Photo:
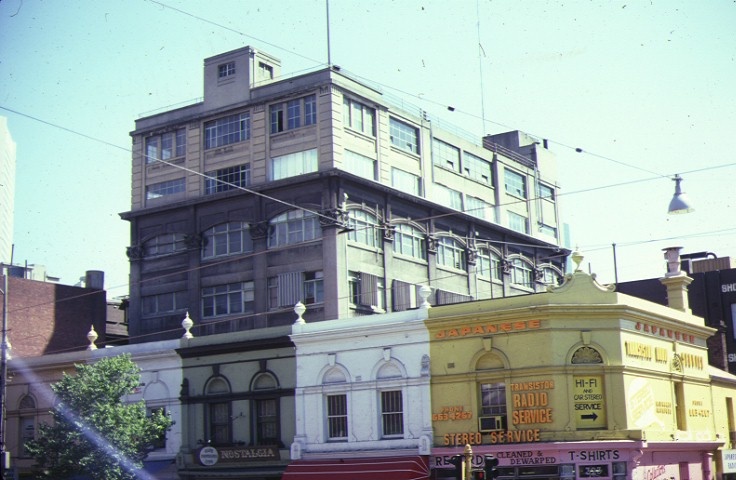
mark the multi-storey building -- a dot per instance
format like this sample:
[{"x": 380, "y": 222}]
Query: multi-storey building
[
  {"x": 319, "y": 188},
  {"x": 7, "y": 190}
]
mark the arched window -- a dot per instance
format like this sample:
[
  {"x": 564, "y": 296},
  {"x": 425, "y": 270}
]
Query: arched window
[
  {"x": 266, "y": 410},
  {"x": 586, "y": 355},
  {"x": 492, "y": 393},
  {"x": 164, "y": 244},
  {"x": 227, "y": 239},
  {"x": 409, "y": 240},
  {"x": 27, "y": 421},
  {"x": 488, "y": 265},
  {"x": 450, "y": 253},
  {"x": 219, "y": 418},
  {"x": 550, "y": 276},
  {"x": 294, "y": 226},
  {"x": 364, "y": 227},
  {"x": 522, "y": 273}
]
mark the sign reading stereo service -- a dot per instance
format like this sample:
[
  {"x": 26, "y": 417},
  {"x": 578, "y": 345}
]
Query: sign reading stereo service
[
  {"x": 589, "y": 402},
  {"x": 209, "y": 456}
]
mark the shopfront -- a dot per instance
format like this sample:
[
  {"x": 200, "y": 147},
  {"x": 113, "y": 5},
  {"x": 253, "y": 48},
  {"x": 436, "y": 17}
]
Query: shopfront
[{"x": 615, "y": 460}]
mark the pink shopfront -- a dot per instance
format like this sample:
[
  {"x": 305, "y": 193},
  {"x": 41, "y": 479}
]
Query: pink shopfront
[{"x": 611, "y": 460}]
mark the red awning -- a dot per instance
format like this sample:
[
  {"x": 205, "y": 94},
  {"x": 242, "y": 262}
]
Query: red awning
[{"x": 375, "y": 468}]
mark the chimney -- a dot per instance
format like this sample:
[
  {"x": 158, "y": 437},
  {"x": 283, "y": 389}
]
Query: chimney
[{"x": 676, "y": 281}]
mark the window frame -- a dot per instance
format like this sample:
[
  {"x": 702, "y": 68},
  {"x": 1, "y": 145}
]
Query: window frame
[
  {"x": 360, "y": 165},
  {"x": 493, "y": 262},
  {"x": 410, "y": 241},
  {"x": 227, "y": 130},
  {"x": 293, "y": 114},
  {"x": 518, "y": 223},
  {"x": 478, "y": 169},
  {"x": 404, "y": 136},
  {"x": 355, "y": 114},
  {"x": 451, "y": 253},
  {"x": 158, "y": 302},
  {"x": 365, "y": 228},
  {"x": 227, "y": 178},
  {"x": 225, "y": 70},
  {"x": 154, "y": 150},
  {"x": 293, "y": 164},
  {"x": 283, "y": 227},
  {"x": 165, "y": 244},
  {"x": 492, "y": 401},
  {"x": 521, "y": 268},
  {"x": 440, "y": 157},
  {"x": 239, "y": 298},
  {"x": 166, "y": 188},
  {"x": 515, "y": 183},
  {"x": 262, "y": 421},
  {"x": 337, "y": 421},
  {"x": 406, "y": 181},
  {"x": 390, "y": 417},
  {"x": 229, "y": 231}
]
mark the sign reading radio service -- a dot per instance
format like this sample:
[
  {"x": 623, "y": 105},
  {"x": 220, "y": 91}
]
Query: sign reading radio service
[
  {"x": 209, "y": 456},
  {"x": 588, "y": 402}
]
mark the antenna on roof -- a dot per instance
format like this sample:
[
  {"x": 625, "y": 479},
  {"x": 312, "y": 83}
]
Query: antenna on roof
[
  {"x": 329, "y": 57},
  {"x": 481, "y": 54}
]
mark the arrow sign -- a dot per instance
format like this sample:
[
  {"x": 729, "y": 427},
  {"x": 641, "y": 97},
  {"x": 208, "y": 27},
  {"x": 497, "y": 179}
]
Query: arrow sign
[{"x": 591, "y": 416}]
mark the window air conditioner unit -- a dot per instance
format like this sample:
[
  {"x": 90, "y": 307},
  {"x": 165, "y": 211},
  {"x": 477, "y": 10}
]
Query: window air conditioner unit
[{"x": 492, "y": 423}]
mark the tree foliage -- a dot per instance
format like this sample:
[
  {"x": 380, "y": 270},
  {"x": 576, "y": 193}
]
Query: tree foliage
[{"x": 94, "y": 433}]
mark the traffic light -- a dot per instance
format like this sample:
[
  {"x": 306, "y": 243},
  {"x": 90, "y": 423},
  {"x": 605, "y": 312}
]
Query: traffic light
[
  {"x": 491, "y": 467},
  {"x": 458, "y": 461}
]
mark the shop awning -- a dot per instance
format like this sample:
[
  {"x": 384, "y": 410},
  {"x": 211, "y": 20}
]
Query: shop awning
[{"x": 369, "y": 468}]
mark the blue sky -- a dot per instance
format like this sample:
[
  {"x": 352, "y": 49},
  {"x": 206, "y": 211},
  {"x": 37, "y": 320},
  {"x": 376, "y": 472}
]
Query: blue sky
[{"x": 644, "y": 88}]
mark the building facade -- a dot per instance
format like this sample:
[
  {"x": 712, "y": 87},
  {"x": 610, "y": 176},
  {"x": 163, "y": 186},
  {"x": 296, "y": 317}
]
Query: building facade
[
  {"x": 579, "y": 382},
  {"x": 362, "y": 397},
  {"x": 712, "y": 295},
  {"x": 237, "y": 397},
  {"x": 318, "y": 188},
  {"x": 29, "y": 399}
]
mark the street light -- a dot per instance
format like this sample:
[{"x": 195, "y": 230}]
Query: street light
[{"x": 679, "y": 203}]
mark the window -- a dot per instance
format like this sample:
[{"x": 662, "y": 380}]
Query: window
[
  {"x": 226, "y": 70},
  {"x": 164, "y": 244},
  {"x": 294, "y": 164},
  {"x": 488, "y": 265},
  {"x": 166, "y": 146},
  {"x": 228, "y": 299},
  {"x": 163, "y": 303},
  {"x": 521, "y": 273},
  {"x": 227, "y": 239},
  {"x": 515, "y": 183},
  {"x": 286, "y": 289},
  {"x": 445, "y": 155},
  {"x": 450, "y": 253},
  {"x": 313, "y": 288},
  {"x": 226, "y": 179},
  {"x": 27, "y": 422},
  {"x": 447, "y": 196},
  {"x": 548, "y": 230},
  {"x": 478, "y": 208},
  {"x": 477, "y": 169},
  {"x": 359, "y": 117},
  {"x": 266, "y": 70},
  {"x": 292, "y": 227},
  {"x": 550, "y": 276},
  {"x": 493, "y": 405},
  {"x": 218, "y": 420},
  {"x": 337, "y": 417},
  {"x": 367, "y": 290},
  {"x": 409, "y": 240},
  {"x": 364, "y": 227},
  {"x": 546, "y": 192},
  {"x": 293, "y": 114},
  {"x": 267, "y": 422},
  {"x": 163, "y": 189},
  {"x": 406, "y": 182},
  {"x": 392, "y": 414},
  {"x": 160, "y": 441},
  {"x": 360, "y": 165},
  {"x": 227, "y": 130},
  {"x": 219, "y": 416},
  {"x": 404, "y": 136},
  {"x": 518, "y": 223}
]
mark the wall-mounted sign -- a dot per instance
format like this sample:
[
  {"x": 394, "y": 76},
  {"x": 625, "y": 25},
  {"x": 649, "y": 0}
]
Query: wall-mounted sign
[
  {"x": 452, "y": 413},
  {"x": 588, "y": 402},
  {"x": 209, "y": 456},
  {"x": 729, "y": 461},
  {"x": 665, "y": 332},
  {"x": 489, "y": 328}
]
